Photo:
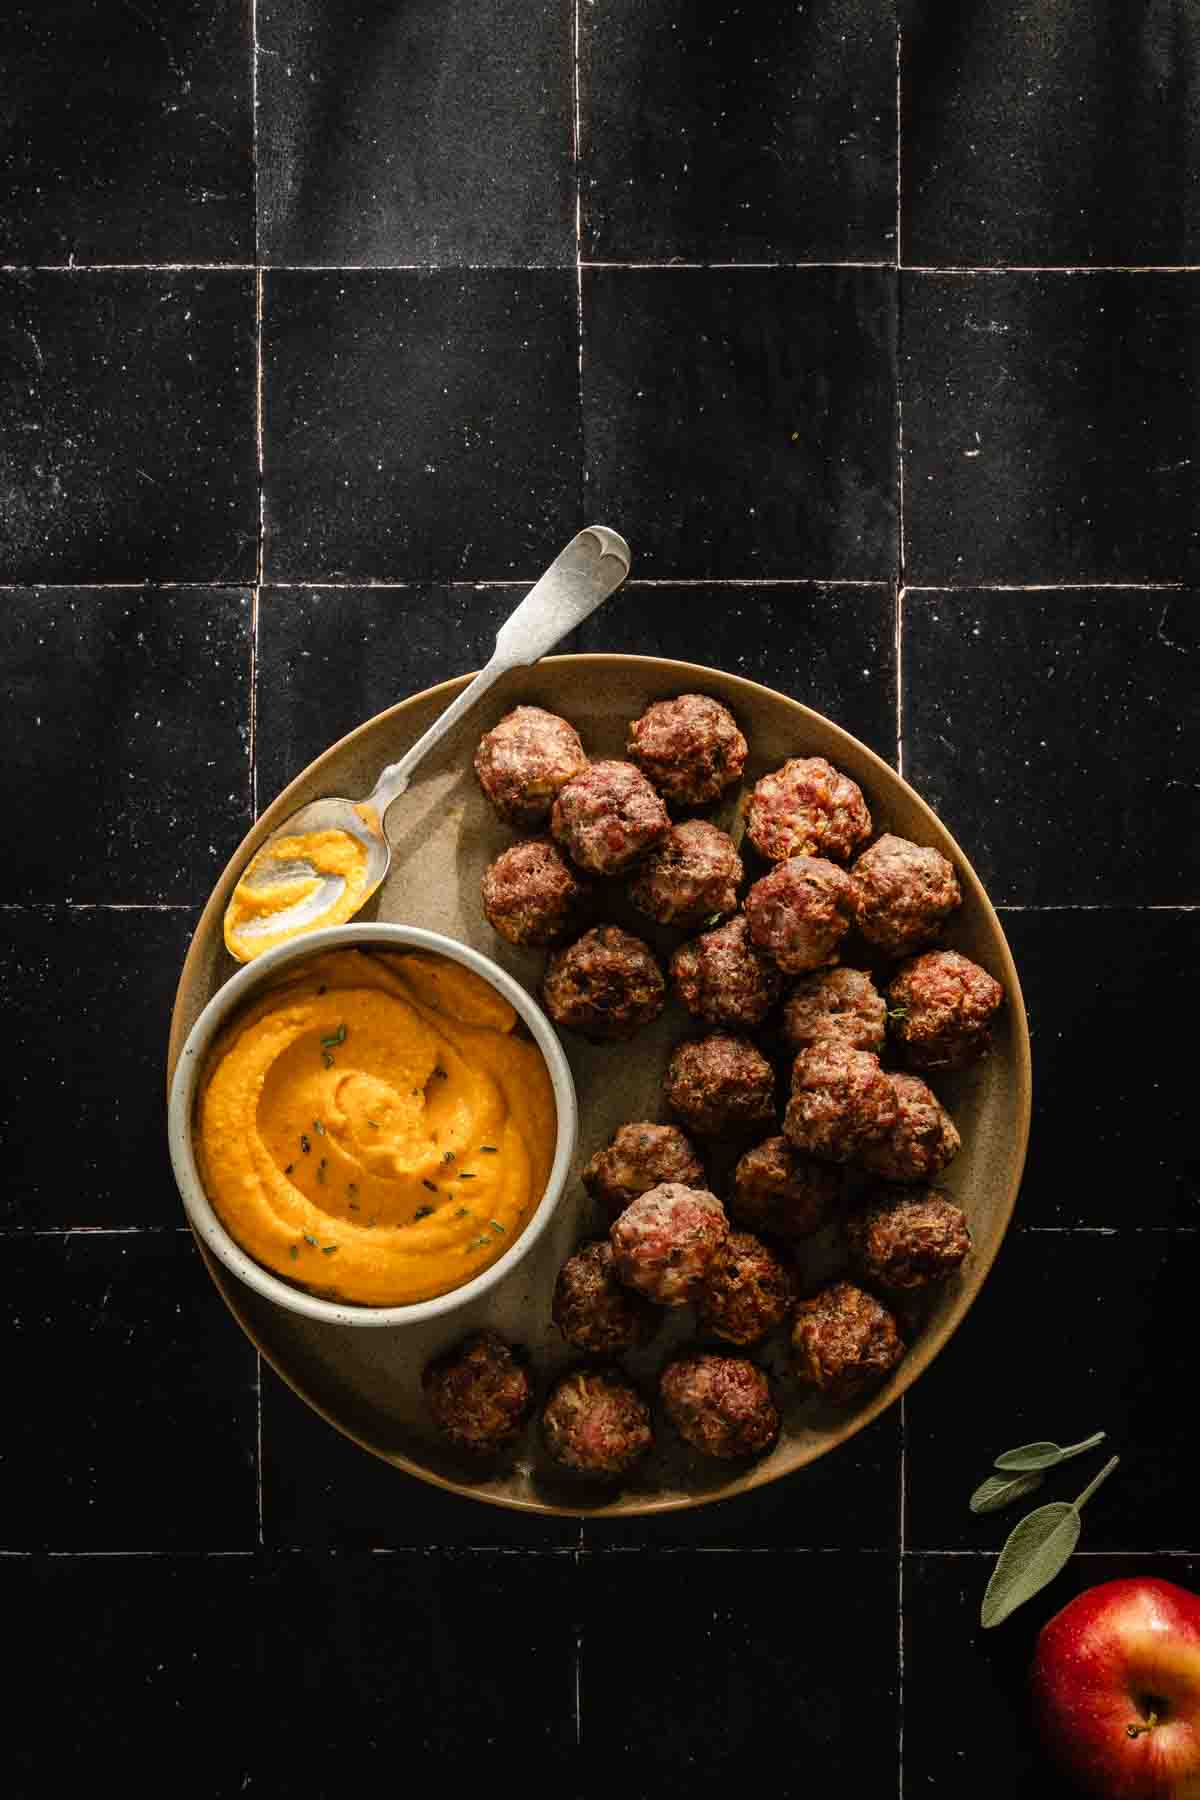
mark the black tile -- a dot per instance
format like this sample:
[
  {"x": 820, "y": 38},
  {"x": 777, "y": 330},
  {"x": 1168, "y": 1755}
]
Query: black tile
[
  {"x": 742, "y": 423},
  {"x": 1111, "y": 997},
  {"x": 420, "y": 424},
  {"x": 707, "y": 140},
  {"x": 1060, "y": 135},
  {"x": 86, "y": 997},
  {"x": 128, "y": 132},
  {"x": 1050, "y": 427},
  {"x": 1057, "y": 734},
  {"x": 133, "y": 1423},
  {"x": 422, "y": 133},
  {"x": 1074, "y": 1332},
  {"x": 968, "y": 1726},
  {"x": 128, "y": 717},
  {"x": 130, "y": 427},
  {"x": 702, "y": 1667}
]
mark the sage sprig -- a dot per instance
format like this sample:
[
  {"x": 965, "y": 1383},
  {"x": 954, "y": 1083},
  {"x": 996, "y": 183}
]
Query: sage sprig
[
  {"x": 1001, "y": 1490},
  {"x": 1035, "y": 1551},
  {"x": 1030, "y": 1457}
]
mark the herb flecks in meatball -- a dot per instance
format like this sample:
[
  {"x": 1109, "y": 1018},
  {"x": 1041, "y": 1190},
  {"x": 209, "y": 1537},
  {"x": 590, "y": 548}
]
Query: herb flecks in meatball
[
  {"x": 921, "y": 1140},
  {"x": 841, "y": 1103},
  {"x": 835, "y": 1005},
  {"x": 641, "y": 1156},
  {"x": 778, "y": 1191},
  {"x": 479, "y": 1393},
  {"x": 596, "y": 1422},
  {"x": 605, "y": 986},
  {"x": 800, "y": 912},
  {"x": 749, "y": 1290},
  {"x": 690, "y": 878},
  {"x": 608, "y": 818},
  {"x": 720, "y": 1405},
  {"x": 807, "y": 808},
  {"x": 723, "y": 979},
  {"x": 905, "y": 893},
  {"x": 690, "y": 748},
  {"x": 906, "y": 1240},
  {"x": 596, "y": 1312},
  {"x": 523, "y": 762},
  {"x": 844, "y": 1341},
  {"x": 664, "y": 1243},
  {"x": 941, "y": 1006},
  {"x": 532, "y": 895},
  {"x": 720, "y": 1083}
]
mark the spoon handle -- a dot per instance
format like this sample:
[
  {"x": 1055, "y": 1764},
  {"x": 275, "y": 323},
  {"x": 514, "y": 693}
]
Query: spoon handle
[{"x": 583, "y": 575}]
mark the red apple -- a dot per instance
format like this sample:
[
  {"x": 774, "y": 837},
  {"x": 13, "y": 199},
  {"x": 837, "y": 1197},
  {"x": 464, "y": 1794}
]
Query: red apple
[{"x": 1116, "y": 1684}]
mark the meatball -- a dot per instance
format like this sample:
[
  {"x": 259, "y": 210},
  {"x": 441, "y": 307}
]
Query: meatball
[
  {"x": 835, "y": 1006},
  {"x": 807, "y": 808},
  {"x": 782, "y": 1193},
  {"x": 907, "y": 1240},
  {"x": 721, "y": 978},
  {"x": 480, "y": 1393},
  {"x": 596, "y": 1422},
  {"x": 749, "y": 1290},
  {"x": 608, "y": 817},
  {"x": 665, "y": 1242},
  {"x": 800, "y": 912},
  {"x": 941, "y": 1006},
  {"x": 690, "y": 748},
  {"x": 721, "y": 1405},
  {"x": 593, "y": 1310},
  {"x": 640, "y": 1157},
  {"x": 920, "y": 1141},
  {"x": 531, "y": 894},
  {"x": 524, "y": 760},
  {"x": 844, "y": 1340},
  {"x": 842, "y": 1102},
  {"x": 905, "y": 894},
  {"x": 605, "y": 986},
  {"x": 691, "y": 878},
  {"x": 719, "y": 1083}
]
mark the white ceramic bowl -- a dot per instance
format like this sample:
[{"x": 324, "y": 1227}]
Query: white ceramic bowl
[{"x": 237, "y": 992}]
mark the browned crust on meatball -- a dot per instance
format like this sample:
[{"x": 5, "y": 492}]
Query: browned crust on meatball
[
  {"x": 523, "y": 762},
  {"x": 941, "y": 1007},
  {"x": 531, "y": 894},
  {"x": 921, "y": 1140},
  {"x": 807, "y": 808},
  {"x": 800, "y": 912},
  {"x": 608, "y": 818},
  {"x": 721, "y": 978},
  {"x": 843, "y": 1341},
  {"x": 749, "y": 1290},
  {"x": 595, "y": 1422},
  {"x": 842, "y": 1005},
  {"x": 641, "y": 1156},
  {"x": 690, "y": 878},
  {"x": 905, "y": 894},
  {"x": 479, "y": 1393},
  {"x": 720, "y": 1083},
  {"x": 665, "y": 1242},
  {"x": 780, "y": 1192},
  {"x": 594, "y": 1311},
  {"x": 720, "y": 1405},
  {"x": 689, "y": 747},
  {"x": 907, "y": 1240},
  {"x": 841, "y": 1102},
  {"x": 606, "y": 985}
]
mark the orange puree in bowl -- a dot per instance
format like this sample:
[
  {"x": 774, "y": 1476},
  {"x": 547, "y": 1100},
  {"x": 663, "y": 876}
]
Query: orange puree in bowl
[
  {"x": 279, "y": 878},
  {"x": 372, "y": 1128}
]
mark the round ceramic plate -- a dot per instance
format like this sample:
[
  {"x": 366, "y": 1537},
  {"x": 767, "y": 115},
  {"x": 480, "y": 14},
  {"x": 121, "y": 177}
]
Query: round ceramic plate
[{"x": 443, "y": 834}]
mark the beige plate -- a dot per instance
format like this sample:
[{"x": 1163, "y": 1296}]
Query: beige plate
[{"x": 443, "y": 834}]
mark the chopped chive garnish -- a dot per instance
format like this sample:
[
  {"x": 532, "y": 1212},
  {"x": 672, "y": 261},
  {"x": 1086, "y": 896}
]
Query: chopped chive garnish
[
  {"x": 289, "y": 1168},
  {"x": 327, "y": 1059},
  {"x": 496, "y": 1225},
  {"x": 465, "y": 1175},
  {"x": 488, "y": 1149},
  {"x": 422, "y": 1212},
  {"x": 374, "y": 1124},
  {"x": 308, "y": 1239},
  {"x": 464, "y": 1212},
  {"x": 293, "y": 1251},
  {"x": 354, "y": 1207},
  {"x": 334, "y": 1039},
  {"x": 304, "y": 1144},
  {"x": 447, "y": 1156},
  {"x": 318, "y": 1128},
  {"x": 328, "y": 1249}
]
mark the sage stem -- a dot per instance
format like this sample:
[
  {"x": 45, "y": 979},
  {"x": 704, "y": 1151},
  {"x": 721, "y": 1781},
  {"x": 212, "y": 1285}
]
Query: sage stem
[{"x": 1094, "y": 1483}]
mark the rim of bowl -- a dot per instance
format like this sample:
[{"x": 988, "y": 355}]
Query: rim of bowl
[{"x": 236, "y": 992}]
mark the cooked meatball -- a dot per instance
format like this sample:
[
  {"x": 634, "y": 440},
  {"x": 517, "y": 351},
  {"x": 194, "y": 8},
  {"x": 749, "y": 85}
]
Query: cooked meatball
[
  {"x": 531, "y": 894},
  {"x": 907, "y": 1240},
  {"x": 594, "y": 1311},
  {"x": 841, "y": 1102},
  {"x": 721, "y": 1405},
  {"x": 800, "y": 912},
  {"x": 596, "y": 1422},
  {"x": 941, "y": 1006},
  {"x": 905, "y": 894},
  {"x": 479, "y": 1393},
  {"x": 749, "y": 1290},
  {"x": 835, "y": 1006},
  {"x": 844, "y": 1340},
  {"x": 640, "y": 1157},
  {"x": 720, "y": 977},
  {"x": 807, "y": 808},
  {"x": 664, "y": 1243},
  {"x": 524, "y": 760},
  {"x": 719, "y": 1083},
  {"x": 690, "y": 748},
  {"x": 782, "y": 1193},
  {"x": 691, "y": 878},
  {"x": 605, "y": 986},
  {"x": 921, "y": 1139},
  {"x": 608, "y": 818}
]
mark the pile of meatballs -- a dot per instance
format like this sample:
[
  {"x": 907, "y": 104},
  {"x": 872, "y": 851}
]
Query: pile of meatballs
[{"x": 851, "y": 1144}]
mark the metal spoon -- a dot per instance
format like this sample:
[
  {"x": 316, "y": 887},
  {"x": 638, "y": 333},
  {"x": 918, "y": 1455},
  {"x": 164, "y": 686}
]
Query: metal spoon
[{"x": 579, "y": 579}]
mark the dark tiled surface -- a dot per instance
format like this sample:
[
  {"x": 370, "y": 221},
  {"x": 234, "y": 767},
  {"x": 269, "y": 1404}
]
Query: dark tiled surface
[
  {"x": 128, "y": 715},
  {"x": 708, "y": 141},
  {"x": 127, "y": 132},
  {"x": 1057, "y": 734},
  {"x": 129, "y": 427},
  {"x": 423, "y": 133},
  {"x": 743, "y": 423},
  {"x": 1050, "y": 427}
]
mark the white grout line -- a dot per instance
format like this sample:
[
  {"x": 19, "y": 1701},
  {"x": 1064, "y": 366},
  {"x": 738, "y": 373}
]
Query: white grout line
[
  {"x": 258, "y": 1442},
  {"x": 150, "y": 586},
  {"x": 577, "y": 159},
  {"x": 955, "y": 269},
  {"x": 950, "y": 270},
  {"x": 903, "y": 1529},
  {"x": 1047, "y": 587},
  {"x": 637, "y": 267},
  {"x": 101, "y": 906}
]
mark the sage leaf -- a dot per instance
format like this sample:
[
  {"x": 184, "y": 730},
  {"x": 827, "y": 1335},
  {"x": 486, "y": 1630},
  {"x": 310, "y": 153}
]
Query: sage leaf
[
  {"x": 1035, "y": 1552},
  {"x": 1001, "y": 1490},
  {"x": 1045, "y": 1456}
]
